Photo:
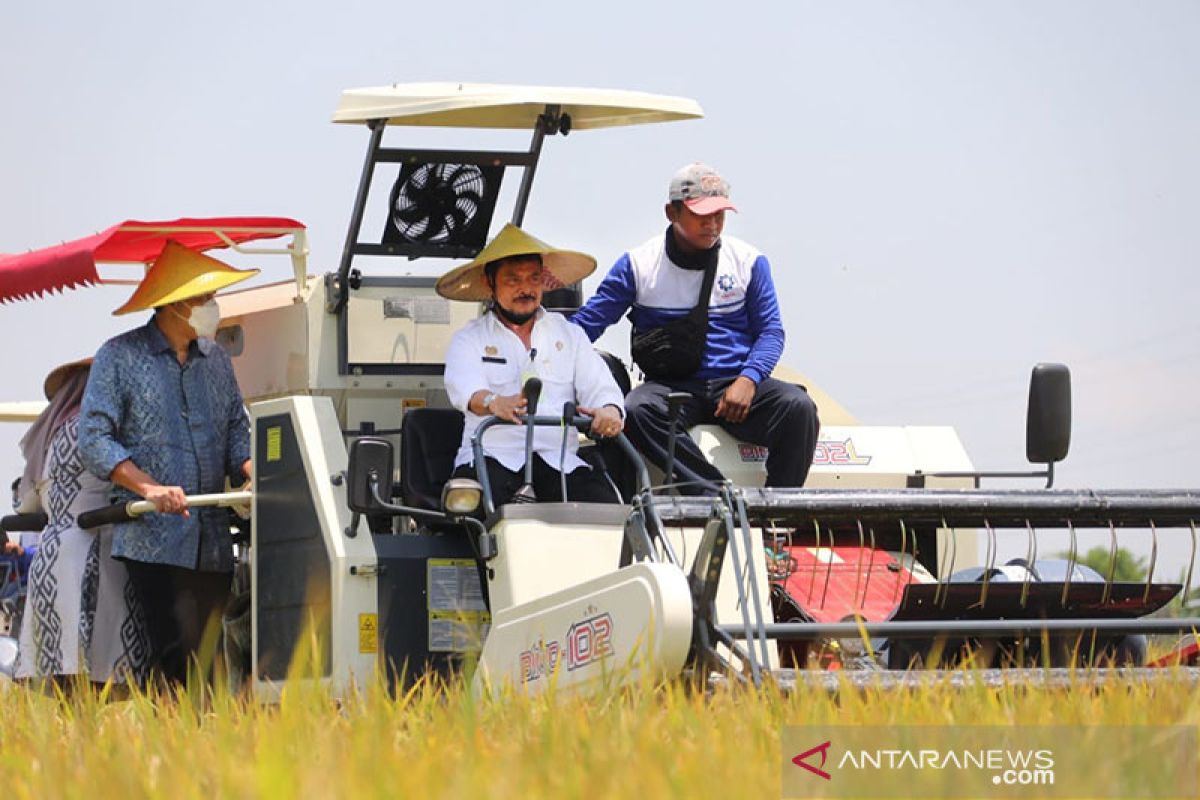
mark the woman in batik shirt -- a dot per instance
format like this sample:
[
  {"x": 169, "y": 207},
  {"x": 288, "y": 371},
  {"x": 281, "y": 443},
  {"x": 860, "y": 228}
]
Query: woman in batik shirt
[{"x": 81, "y": 613}]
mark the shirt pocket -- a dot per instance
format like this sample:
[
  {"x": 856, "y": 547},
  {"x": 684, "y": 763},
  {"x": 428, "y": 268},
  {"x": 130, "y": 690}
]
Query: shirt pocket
[
  {"x": 502, "y": 376},
  {"x": 558, "y": 369}
]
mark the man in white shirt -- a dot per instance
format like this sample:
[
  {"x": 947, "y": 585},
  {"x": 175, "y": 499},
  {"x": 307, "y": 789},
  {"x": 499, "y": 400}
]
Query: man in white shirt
[{"x": 491, "y": 358}]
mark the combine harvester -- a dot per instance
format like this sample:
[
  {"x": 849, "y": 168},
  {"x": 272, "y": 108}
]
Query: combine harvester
[{"x": 356, "y": 531}]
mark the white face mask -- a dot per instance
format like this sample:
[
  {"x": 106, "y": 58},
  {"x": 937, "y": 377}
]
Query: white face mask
[{"x": 204, "y": 319}]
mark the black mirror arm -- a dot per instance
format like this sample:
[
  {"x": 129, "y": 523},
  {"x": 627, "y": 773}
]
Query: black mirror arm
[
  {"x": 1048, "y": 474},
  {"x": 408, "y": 511}
]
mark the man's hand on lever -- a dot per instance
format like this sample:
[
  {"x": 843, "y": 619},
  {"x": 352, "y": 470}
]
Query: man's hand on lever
[
  {"x": 510, "y": 407},
  {"x": 166, "y": 499},
  {"x": 606, "y": 421}
]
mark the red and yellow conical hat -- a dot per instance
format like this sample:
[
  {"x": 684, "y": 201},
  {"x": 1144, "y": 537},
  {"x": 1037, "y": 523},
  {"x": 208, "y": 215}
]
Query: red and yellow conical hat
[{"x": 178, "y": 274}]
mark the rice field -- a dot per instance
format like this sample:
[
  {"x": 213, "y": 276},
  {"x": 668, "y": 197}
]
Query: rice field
[{"x": 645, "y": 742}]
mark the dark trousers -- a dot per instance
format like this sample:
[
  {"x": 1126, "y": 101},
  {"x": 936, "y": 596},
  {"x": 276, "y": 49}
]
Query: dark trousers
[
  {"x": 179, "y": 604},
  {"x": 782, "y": 418},
  {"x": 583, "y": 485}
]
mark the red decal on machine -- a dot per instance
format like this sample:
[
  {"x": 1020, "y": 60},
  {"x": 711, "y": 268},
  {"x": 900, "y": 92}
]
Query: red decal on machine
[
  {"x": 831, "y": 453},
  {"x": 752, "y": 452},
  {"x": 539, "y": 660},
  {"x": 589, "y": 641}
]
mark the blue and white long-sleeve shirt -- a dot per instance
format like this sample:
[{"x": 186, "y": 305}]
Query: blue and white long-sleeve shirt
[{"x": 745, "y": 331}]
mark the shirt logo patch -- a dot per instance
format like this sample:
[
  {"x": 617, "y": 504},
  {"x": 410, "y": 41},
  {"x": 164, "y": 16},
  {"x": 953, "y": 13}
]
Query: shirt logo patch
[
  {"x": 558, "y": 345},
  {"x": 490, "y": 350},
  {"x": 725, "y": 282}
]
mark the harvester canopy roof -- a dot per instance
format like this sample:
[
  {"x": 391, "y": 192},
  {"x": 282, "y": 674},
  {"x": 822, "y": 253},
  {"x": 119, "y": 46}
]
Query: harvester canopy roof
[
  {"x": 486, "y": 105},
  {"x": 73, "y": 264}
]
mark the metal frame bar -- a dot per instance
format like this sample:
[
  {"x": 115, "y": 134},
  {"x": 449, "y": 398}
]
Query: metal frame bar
[
  {"x": 547, "y": 123},
  {"x": 341, "y": 289},
  {"x": 1048, "y": 474},
  {"x": 298, "y": 248},
  {"x": 973, "y": 629},
  {"x": 482, "y": 158},
  {"x": 747, "y": 541},
  {"x": 954, "y": 508}
]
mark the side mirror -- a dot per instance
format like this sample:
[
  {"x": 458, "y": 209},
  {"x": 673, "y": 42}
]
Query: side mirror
[
  {"x": 1048, "y": 425},
  {"x": 370, "y": 461}
]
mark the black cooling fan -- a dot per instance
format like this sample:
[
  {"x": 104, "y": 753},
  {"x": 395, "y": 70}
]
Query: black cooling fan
[{"x": 440, "y": 209}]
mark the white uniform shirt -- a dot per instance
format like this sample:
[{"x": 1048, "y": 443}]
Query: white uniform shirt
[{"x": 486, "y": 355}]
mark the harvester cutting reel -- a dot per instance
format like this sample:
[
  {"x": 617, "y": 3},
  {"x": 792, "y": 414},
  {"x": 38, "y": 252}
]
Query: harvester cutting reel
[{"x": 875, "y": 578}]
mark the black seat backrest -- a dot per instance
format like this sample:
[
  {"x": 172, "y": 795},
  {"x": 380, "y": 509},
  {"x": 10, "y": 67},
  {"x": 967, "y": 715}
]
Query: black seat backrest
[
  {"x": 429, "y": 440},
  {"x": 617, "y": 368},
  {"x": 563, "y": 300}
]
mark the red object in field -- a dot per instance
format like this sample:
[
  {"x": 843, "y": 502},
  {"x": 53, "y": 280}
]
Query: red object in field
[
  {"x": 73, "y": 264},
  {"x": 833, "y": 584},
  {"x": 1185, "y": 655}
]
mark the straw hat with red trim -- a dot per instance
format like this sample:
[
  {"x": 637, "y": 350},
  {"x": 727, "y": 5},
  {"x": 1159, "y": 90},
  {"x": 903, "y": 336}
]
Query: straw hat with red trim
[
  {"x": 560, "y": 267},
  {"x": 59, "y": 375},
  {"x": 181, "y": 273}
]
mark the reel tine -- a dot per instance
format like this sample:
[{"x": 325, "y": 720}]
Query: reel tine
[
  {"x": 1030, "y": 557},
  {"x": 1153, "y": 560},
  {"x": 1187, "y": 586},
  {"x": 828, "y": 570},
  {"x": 812, "y": 581},
  {"x": 903, "y": 550},
  {"x": 1112, "y": 563},
  {"x": 1073, "y": 551},
  {"x": 858, "y": 573},
  {"x": 944, "y": 573},
  {"x": 867, "y": 582},
  {"x": 991, "y": 562},
  {"x": 913, "y": 570}
]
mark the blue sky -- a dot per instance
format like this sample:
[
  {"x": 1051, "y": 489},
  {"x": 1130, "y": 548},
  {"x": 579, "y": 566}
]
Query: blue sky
[{"x": 949, "y": 192}]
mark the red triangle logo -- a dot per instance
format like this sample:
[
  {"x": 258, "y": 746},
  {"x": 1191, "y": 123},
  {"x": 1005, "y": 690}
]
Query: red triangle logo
[{"x": 823, "y": 749}]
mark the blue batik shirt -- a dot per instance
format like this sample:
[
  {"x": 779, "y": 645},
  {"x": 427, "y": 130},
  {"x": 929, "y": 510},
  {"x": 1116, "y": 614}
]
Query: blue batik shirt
[{"x": 184, "y": 425}]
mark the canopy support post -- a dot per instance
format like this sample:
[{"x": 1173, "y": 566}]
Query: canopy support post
[
  {"x": 547, "y": 123},
  {"x": 337, "y": 304}
]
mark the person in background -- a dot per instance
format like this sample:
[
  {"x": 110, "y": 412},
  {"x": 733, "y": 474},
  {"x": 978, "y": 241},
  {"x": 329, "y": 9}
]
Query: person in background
[
  {"x": 163, "y": 418},
  {"x": 723, "y": 364},
  {"x": 81, "y": 616}
]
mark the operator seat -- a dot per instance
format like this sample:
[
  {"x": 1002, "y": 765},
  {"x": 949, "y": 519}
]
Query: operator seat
[
  {"x": 619, "y": 373},
  {"x": 429, "y": 440},
  {"x": 565, "y": 300}
]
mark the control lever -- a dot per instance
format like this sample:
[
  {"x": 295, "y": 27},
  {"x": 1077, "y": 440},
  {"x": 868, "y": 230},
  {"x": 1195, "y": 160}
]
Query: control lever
[
  {"x": 568, "y": 421},
  {"x": 532, "y": 392},
  {"x": 675, "y": 401}
]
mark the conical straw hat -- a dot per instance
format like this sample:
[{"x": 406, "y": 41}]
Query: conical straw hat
[
  {"x": 181, "y": 273},
  {"x": 58, "y": 376},
  {"x": 562, "y": 267}
]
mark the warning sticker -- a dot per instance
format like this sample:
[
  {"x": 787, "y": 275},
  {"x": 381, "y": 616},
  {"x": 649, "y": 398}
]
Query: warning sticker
[
  {"x": 274, "y": 443},
  {"x": 368, "y": 633},
  {"x": 412, "y": 402},
  {"x": 458, "y": 632},
  {"x": 458, "y": 617},
  {"x": 454, "y": 585}
]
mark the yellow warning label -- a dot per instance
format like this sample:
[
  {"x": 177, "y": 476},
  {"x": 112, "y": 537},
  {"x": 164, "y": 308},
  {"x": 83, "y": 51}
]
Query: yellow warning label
[
  {"x": 412, "y": 402},
  {"x": 368, "y": 633},
  {"x": 274, "y": 443}
]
